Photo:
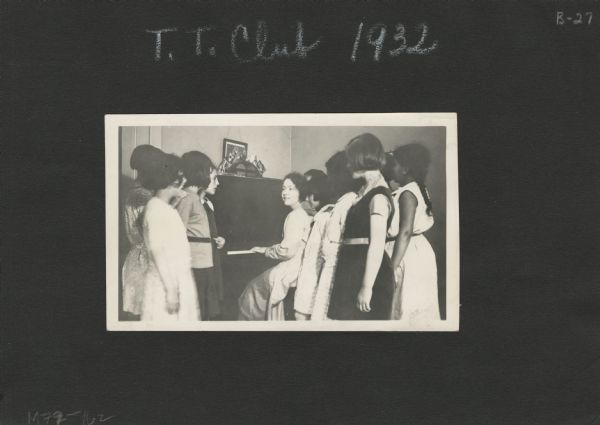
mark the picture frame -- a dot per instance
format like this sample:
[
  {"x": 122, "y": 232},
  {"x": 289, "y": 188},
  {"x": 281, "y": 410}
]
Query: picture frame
[{"x": 238, "y": 151}]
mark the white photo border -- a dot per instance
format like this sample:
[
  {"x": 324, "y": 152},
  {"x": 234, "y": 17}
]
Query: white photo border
[{"x": 448, "y": 120}]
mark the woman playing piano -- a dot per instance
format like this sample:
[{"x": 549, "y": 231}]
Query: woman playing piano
[{"x": 263, "y": 297}]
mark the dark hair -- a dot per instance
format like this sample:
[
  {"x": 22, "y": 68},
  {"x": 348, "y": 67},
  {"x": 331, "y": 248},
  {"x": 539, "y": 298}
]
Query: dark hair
[
  {"x": 339, "y": 176},
  {"x": 318, "y": 186},
  {"x": 314, "y": 173},
  {"x": 165, "y": 171},
  {"x": 144, "y": 159},
  {"x": 388, "y": 169},
  {"x": 196, "y": 168},
  {"x": 365, "y": 152},
  {"x": 300, "y": 182},
  {"x": 141, "y": 154},
  {"x": 415, "y": 157}
]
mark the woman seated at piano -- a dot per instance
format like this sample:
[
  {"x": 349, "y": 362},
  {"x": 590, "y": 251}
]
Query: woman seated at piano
[{"x": 263, "y": 297}]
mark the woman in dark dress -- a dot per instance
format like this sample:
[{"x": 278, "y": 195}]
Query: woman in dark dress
[{"x": 363, "y": 287}]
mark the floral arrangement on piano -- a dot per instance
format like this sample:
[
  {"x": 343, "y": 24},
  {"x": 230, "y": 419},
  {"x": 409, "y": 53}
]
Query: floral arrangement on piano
[{"x": 235, "y": 160}]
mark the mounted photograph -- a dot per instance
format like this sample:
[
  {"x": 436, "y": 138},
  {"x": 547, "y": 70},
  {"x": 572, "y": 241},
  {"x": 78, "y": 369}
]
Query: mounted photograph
[{"x": 282, "y": 222}]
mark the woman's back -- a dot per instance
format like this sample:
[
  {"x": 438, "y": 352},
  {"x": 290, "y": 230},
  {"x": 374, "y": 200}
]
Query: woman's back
[
  {"x": 170, "y": 268},
  {"x": 358, "y": 220}
]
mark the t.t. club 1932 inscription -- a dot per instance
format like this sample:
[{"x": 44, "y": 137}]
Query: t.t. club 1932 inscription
[{"x": 252, "y": 43}]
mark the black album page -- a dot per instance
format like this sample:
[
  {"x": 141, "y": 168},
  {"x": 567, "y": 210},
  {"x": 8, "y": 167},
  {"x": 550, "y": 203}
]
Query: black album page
[{"x": 299, "y": 212}]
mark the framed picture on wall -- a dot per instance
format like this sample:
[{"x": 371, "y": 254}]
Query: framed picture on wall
[{"x": 234, "y": 151}]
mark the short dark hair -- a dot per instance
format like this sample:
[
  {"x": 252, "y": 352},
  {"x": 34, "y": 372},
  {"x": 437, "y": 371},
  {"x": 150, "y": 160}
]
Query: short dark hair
[
  {"x": 141, "y": 155},
  {"x": 197, "y": 167},
  {"x": 300, "y": 182},
  {"x": 339, "y": 176},
  {"x": 314, "y": 173},
  {"x": 365, "y": 152},
  {"x": 318, "y": 186},
  {"x": 166, "y": 170},
  {"x": 416, "y": 158},
  {"x": 144, "y": 159}
]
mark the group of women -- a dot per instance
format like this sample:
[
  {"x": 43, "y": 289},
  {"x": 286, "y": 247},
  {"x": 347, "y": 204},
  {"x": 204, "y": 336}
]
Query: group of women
[
  {"x": 351, "y": 248},
  {"x": 172, "y": 271}
]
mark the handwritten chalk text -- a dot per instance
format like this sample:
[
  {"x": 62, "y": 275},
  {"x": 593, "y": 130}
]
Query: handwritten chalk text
[
  {"x": 59, "y": 417},
  {"x": 377, "y": 35},
  {"x": 256, "y": 42},
  {"x": 240, "y": 39},
  {"x": 577, "y": 18}
]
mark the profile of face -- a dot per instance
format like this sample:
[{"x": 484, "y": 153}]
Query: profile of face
[
  {"x": 400, "y": 174},
  {"x": 290, "y": 193},
  {"x": 213, "y": 184}
]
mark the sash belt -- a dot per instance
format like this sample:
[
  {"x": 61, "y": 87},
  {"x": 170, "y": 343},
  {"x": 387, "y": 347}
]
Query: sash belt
[
  {"x": 198, "y": 239},
  {"x": 366, "y": 241}
]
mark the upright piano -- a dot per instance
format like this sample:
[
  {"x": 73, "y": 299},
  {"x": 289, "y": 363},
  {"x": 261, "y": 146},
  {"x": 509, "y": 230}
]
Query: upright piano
[{"x": 249, "y": 212}]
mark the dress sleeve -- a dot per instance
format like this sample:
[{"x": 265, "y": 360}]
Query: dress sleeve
[
  {"x": 294, "y": 231},
  {"x": 380, "y": 205}
]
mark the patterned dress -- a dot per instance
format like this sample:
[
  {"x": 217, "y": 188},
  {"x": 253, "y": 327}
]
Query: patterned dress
[
  {"x": 330, "y": 251},
  {"x": 136, "y": 262},
  {"x": 312, "y": 263}
]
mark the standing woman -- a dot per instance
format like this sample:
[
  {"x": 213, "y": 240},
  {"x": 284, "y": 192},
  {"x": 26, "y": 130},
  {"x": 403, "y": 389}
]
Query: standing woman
[
  {"x": 321, "y": 252},
  {"x": 413, "y": 258},
  {"x": 142, "y": 159},
  {"x": 197, "y": 214},
  {"x": 363, "y": 287},
  {"x": 389, "y": 173},
  {"x": 312, "y": 260},
  {"x": 263, "y": 297},
  {"x": 169, "y": 290}
]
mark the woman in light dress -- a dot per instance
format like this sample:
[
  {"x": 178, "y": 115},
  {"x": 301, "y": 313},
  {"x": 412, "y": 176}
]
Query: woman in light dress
[
  {"x": 413, "y": 259},
  {"x": 263, "y": 297},
  {"x": 320, "y": 255},
  {"x": 169, "y": 290},
  {"x": 142, "y": 160}
]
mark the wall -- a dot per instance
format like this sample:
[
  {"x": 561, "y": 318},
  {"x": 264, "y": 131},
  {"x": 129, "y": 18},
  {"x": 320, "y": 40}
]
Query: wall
[
  {"x": 312, "y": 146},
  {"x": 270, "y": 144}
]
